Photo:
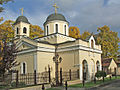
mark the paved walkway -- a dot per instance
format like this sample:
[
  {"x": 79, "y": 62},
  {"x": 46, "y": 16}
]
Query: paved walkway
[
  {"x": 74, "y": 82},
  {"x": 112, "y": 86}
]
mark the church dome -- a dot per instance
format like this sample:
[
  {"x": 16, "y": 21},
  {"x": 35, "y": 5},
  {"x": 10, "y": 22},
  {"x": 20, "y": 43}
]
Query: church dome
[
  {"x": 56, "y": 16},
  {"x": 21, "y": 19}
]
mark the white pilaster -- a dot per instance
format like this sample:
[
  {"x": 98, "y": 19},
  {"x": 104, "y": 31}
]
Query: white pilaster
[
  {"x": 81, "y": 72},
  {"x": 35, "y": 62}
]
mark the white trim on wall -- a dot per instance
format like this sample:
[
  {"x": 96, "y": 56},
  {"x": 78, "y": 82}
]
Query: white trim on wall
[
  {"x": 35, "y": 62},
  {"x": 22, "y": 67},
  {"x": 76, "y": 47}
]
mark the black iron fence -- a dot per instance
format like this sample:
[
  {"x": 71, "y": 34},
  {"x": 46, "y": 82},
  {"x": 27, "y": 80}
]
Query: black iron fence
[
  {"x": 32, "y": 78},
  {"x": 68, "y": 75},
  {"x": 42, "y": 78}
]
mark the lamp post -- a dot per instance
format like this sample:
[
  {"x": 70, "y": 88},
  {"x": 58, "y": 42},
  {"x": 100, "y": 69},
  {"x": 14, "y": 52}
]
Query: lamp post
[{"x": 57, "y": 60}]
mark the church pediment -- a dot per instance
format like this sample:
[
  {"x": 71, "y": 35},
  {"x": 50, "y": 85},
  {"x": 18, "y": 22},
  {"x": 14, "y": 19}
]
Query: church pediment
[{"x": 24, "y": 45}]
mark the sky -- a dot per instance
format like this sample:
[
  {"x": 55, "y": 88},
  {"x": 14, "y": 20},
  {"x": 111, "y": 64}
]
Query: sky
[{"x": 85, "y": 14}]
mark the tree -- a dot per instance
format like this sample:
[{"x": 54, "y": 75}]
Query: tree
[
  {"x": 3, "y": 2},
  {"x": 85, "y": 35},
  {"x": 109, "y": 42},
  {"x": 74, "y": 32},
  {"x": 8, "y": 54},
  {"x": 35, "y": 31},
  {"x": 6, "y": 28}
]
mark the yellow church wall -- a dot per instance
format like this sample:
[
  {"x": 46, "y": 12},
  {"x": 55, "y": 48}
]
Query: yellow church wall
[
  {"x": 28, "y": 58},
  {"x": 45, "y": 59},
  {"x": 51, "y": 26},
  {"x": 70, "y": 60},
  {"x": 91, "y": 59}
]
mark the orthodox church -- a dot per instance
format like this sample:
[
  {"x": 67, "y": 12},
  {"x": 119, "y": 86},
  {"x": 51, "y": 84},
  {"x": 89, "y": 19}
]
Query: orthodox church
[{"x": 38, "y": 53}]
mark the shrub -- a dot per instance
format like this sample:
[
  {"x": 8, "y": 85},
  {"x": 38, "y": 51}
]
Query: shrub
[
  {"x": 100, "y": 74},
  {"x": 20, "y": 84}
]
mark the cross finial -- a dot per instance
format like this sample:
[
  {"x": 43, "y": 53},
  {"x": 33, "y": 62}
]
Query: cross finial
[
  {"x": 55, "y": 6},
  {"x": 22, "y": 11}
]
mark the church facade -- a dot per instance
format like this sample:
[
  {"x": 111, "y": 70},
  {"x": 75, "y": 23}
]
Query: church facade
[{"x": 37, "y": 54}]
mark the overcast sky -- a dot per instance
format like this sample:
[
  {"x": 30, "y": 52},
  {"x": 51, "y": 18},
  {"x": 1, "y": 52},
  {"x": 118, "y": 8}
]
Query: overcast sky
[{"x": 85, "y": 14}]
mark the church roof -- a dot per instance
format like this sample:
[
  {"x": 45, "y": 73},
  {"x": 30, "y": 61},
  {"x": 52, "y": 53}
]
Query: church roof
[
  {"x": 21, "y": 19},
  {"x": 56, "y": 16}
]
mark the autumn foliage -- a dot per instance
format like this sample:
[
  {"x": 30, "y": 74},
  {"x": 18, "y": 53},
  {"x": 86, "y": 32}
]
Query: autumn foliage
[{"x": 74, "y": 32}]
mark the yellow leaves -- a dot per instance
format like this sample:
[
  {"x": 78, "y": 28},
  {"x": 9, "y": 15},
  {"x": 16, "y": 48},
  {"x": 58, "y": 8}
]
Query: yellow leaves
[
  {"x": 6, "y": 28},
  {"x": 85, "y": 35},
  {"x": 109, "y": 41},
  {"x": 74, "y": 32},
  {"x": 35, "y": 31},
  {"x": 1, "y": 19}
]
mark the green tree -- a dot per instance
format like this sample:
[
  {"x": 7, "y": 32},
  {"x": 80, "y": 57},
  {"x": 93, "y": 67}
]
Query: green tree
[
  {"x": 74, "y": 32},
  {"x": 109, "y": 42}
]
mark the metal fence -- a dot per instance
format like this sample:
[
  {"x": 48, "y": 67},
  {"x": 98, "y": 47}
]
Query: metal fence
[
  {"x": 68, "y": 75},
  {"x": 41, "y": 78}
]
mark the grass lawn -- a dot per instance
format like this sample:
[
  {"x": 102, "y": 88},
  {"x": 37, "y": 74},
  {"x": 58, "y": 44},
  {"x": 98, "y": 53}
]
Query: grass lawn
[
  {"x": 91, "y": 84},
  {"x": 53, "y": 89}
]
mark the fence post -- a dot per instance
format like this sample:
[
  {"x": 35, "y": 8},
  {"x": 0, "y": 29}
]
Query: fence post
[
  {"x": 61, "y": 76},
  {"x": 35, "y": 77},
  {"x": 17, "y": 78},
  {"x": 49, "y": 75},
  {"x": 78, "y": 73},
  {"x": 70, "y": 74},
  {"x": 43, "y": 87},
  {"x": 115, "y": 72},
  {"x": 66, "y": 85}
]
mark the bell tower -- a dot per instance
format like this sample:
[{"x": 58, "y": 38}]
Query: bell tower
[{"x": 22, "y": 26}]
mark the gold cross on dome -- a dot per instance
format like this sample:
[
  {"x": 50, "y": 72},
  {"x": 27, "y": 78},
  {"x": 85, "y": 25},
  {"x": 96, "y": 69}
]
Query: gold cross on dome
[
  {"x": 22, "y": 11},
  {"x": 55, "y": 6}
]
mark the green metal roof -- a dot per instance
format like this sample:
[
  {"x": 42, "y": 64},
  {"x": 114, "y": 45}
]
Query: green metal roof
[
  {"x": 21, "y": 19},
  {"x": 56, "y": 16}
]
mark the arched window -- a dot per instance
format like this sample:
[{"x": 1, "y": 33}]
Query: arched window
[
  {"x": 56, "y": 27},
  {"x": 17, "y": 30},
  {"x": 23, "y": 68},
  {"x": 85, "y": 69},
  {"x": 25, "y": 30},
  {"x": 65, "y": 29},
  {"x": 92, "y": 44},
  {"x": 47, "y": 30},
  {"x": 98, "y": 66}
]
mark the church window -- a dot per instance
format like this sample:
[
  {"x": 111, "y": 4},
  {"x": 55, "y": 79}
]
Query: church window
[
  {"x": 23, "y": 68},
  {"x": 17, "y": 30},
  {"x": 47, "y": 30},
  {"x": 56, "y": 26},
  {"x": 65, "y": 29},
  {"x": 98, "y": 66},
  {"x": 92, "y": 44},
  {"x": 85, "y": 69},
  {"x": 25, "y": 30}
]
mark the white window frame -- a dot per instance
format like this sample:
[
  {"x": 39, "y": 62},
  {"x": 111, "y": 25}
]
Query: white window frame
[
  {"x": 22, "y": 68},
  {"x": 92, "y": 38}
]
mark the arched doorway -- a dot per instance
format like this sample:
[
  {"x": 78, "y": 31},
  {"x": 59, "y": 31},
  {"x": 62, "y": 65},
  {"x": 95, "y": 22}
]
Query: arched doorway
[
  {"x": 98, "y": 66},
  {"x": 85, "y": 69}
]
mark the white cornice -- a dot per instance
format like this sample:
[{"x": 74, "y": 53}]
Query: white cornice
[
  {"x": 56, "y": 35},
  {"x": 52, "y": 50}
]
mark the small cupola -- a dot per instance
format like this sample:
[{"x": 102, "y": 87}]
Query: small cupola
[
  {"x": 22, "y": 26},
  {"x": 56, "y": 23}
]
